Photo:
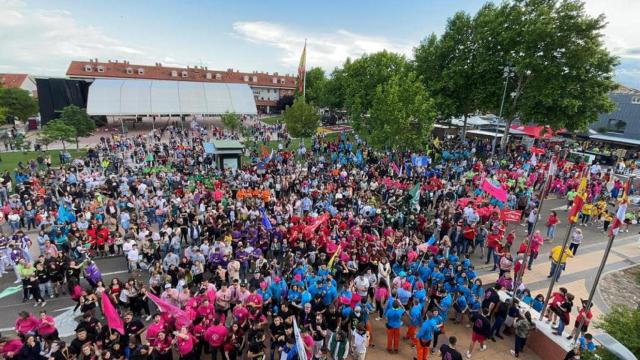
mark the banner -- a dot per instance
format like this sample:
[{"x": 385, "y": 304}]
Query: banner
[
  {"x": 111, "y": 314},
  {"x": 511, "y": 215},
  {"x": 317, "y": 222},
  {"x": 496, "y": 191},
  {"x": 395, "y": 168},
  {"x": 265, "y": 220}
]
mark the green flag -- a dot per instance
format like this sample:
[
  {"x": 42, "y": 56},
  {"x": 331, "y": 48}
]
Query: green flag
[{"x": 415, "y": 194}]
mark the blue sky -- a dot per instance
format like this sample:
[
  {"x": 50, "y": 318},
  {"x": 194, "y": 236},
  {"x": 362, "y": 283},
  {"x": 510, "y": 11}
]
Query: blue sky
[{"x": 43, "y": 36}]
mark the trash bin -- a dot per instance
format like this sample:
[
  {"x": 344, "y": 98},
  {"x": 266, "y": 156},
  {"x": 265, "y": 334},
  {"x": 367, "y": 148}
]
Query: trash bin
[{"x": 33, "y": 124}]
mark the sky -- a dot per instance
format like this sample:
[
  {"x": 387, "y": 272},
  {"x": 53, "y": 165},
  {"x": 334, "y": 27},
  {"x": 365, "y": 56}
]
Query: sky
[{"x": 41, "y": 37}]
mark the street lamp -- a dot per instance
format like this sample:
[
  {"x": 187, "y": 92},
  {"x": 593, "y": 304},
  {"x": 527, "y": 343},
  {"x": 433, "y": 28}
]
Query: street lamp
[{"x": 507, "y": 73}]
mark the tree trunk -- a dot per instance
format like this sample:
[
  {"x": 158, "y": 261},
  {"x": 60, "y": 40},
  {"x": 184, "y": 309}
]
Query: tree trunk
[
  {"x": 77, "y": 144},
  {"x": 64, "y": 147},
  {"x": 505, "y": 134}
]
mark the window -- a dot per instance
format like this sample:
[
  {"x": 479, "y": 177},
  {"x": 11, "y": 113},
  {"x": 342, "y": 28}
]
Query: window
[
  {"x": 218, "y": 76},
  {"x": 140, "y": 71},
  {"x": 282, "y": 81},
  {"x": 255, "y": 79},
  {"x": 100, "y": 68},
  {"x": 208, "y": 76},
  {"x": 245, "y": 78},
  {"x": 129, "y": 71},
  {"x": 617, "y": 126},
  {"x": 87, "y": 68},
  {"x": 635, "y": 100},
  {"x": 185, "y": 74},
  {"x": 274, "y": 80}
]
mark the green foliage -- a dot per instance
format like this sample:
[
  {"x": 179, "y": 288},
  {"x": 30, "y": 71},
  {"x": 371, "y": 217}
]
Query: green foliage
[
  {"x": 402, "y": 114},
  {"x": 623, "y": 323},
  {"x": 363, "y": 76},
  {"x": 58, "y": 130},
  {"x": 334, "y": 90},
  {"x": 4, "y": 111},
  {"x": 560, "y": 71},
  {"x": 18, "y": 103},
  {"x": 231, "y": 121},
  {"x": 302, "y": 119},
  {"x": 78, "y": 119},
  {"x": 316, "y": 80}
]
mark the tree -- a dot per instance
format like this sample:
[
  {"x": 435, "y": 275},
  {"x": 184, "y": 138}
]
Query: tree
[
  {"x": 448, "y": 68},
  {"x": 623, "y": 323},
  {"x": 561, "y": 71},
  {"x": 316, "y": 80},
  {"x": 79, "y": 120},
  {"x": 18, "y": 103},
  {"x": 302, "y": 119},
  {"x": 231, "y": 121},
  {"x": 284, "y": 101},
  {"x": 402, "y": 114},
  {"x": 58, "y": 130},
  {"x": 333, "y": 91},
  {"x": 362, "y": 77}
]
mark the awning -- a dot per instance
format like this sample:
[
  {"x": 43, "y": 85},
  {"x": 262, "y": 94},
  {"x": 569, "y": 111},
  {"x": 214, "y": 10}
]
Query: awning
[
  {"x": 615, "y": 139},
  {"x": 536, "y": 131},
  {"x": 159, "y": 97},
  {"x": 486, "y": 133}
]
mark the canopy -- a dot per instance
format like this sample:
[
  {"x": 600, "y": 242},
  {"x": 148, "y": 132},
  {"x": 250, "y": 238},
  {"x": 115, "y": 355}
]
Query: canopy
[{"x": 159, "y": 97}]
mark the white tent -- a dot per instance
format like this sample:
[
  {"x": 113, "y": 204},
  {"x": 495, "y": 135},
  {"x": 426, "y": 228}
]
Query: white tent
[{"x": 123, "y": 97}]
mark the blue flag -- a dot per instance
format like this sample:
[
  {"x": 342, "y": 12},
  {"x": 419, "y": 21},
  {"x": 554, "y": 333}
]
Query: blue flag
[{"x": 265, "y": 220}]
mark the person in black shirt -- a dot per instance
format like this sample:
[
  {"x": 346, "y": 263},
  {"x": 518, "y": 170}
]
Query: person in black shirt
[
  {"x": 132, "y": 327},
  {"x": 502, "y": 310},
  {"x": 480, "y": 331},
  {"x": 277, "y": 333},
  {"x": 333, "y": 319},
  {"x": 82, "y": 337},
  {"x": 448, "y": 351}
]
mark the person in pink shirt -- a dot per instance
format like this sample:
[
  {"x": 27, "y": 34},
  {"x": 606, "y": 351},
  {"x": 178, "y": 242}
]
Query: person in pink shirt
[
  {"x": 155, "y": 328},
  {"x": 185, "y": 343},
  {"x": 8, "y": 348},
  {"x": 215, "y": 336},
  {"x": 254, "y": 300},
  {"x": 47, "y": 326},
  {"x": 26, "y": 323},
  {"x": 380, "y": 296}
]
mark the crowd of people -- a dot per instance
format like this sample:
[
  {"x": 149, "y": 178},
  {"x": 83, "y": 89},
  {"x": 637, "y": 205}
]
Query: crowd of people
[{"x": 299, "y": 251}]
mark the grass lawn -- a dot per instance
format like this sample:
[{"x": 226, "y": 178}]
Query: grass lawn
[
  {"x": 273, "y": 144},
  {"x": 272, "y": 120},
  {"x": 10, "y": 160}
]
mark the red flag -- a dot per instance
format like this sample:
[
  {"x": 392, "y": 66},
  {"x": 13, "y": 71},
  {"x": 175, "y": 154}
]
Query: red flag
[
  {"x": 538, "y": 151},
  {"x": 114, "y": 321},
  {"x": 181, "y": 316},
  {"x": 317, "y": 222},
  {"x": 621, "y": 212},
  {"x": 511, "y": 215}
]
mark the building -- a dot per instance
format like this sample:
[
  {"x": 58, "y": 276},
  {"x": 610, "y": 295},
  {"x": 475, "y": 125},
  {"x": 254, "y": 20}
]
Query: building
[
  {"x": 622, "y": 125},
  {"x": 267, "y": 88},
  {"x": 20, "y": 81}
]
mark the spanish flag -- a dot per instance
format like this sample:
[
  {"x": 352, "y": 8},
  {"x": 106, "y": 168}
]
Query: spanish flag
[
  {"x": 578, "y": 202},
  {"x": 302, "y": 69}
]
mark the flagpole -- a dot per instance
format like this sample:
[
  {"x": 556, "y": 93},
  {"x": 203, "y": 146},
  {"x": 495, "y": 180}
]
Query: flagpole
[
  {"x": 304, "y": 76},
  {"x": 603, "y": 263},
  {"x": 550, "y": 175},
  {"x": 556, "y": 271}
]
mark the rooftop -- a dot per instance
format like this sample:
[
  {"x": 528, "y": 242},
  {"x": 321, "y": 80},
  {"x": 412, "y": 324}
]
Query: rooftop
[
  {"x": 12, "y": 80},
  {"x": 123, "y": 69}
]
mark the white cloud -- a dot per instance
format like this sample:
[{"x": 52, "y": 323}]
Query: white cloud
[
  {"x": 45, "y": 41},
  {"x": 620, "y": 34},
  {"x": 325, "y": 50}
]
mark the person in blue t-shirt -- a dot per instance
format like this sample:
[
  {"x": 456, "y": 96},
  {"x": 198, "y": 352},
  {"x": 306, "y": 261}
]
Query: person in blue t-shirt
[
  {"x": 394, "y": 323},
  {"x": 461, "y": 306}
]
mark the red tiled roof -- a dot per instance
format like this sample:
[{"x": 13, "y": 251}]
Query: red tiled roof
[
  {"x": 12, "y": 80},
  {"x": 159, "y": 72}
]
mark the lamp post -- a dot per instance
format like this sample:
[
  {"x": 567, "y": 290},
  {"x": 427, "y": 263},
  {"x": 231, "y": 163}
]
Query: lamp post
[{"x": 507, "y": 73}]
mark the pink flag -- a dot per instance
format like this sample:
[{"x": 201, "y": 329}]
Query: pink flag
[
  {"x": 496, "y": 191},
  {"x": 395, "y": 168},
  {"x": 111, "y": 314},
  {"x": 181, "y": 316}
]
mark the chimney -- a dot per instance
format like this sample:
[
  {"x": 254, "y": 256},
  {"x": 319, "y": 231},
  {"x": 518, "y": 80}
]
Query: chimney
[{"x": 229, "y": 70}]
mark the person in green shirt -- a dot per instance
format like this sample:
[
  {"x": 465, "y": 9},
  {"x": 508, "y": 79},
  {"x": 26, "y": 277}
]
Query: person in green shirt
[
  {"x": 26, "y": 271},
  {"x": 570, "y": 196}
]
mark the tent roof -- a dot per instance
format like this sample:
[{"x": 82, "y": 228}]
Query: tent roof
[
  {"x": 156, "y": 97},
  {"x": 227, "y": 144},
  {"x": 471, "y": 121}
]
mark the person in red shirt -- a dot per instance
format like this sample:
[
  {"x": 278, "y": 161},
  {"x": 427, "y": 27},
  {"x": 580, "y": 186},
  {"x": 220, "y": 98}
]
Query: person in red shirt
[
  {"x": 552, "y": 222},
  {"x": 493, "y": 243},
  {"x": 579, "y": 330}
]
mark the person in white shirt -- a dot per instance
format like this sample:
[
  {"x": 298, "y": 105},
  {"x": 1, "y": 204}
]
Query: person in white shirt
[
  {"x": 362, "y": 285},
  {"x": 360, "y": 343},
  {"x": 133, "y": 256}
]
